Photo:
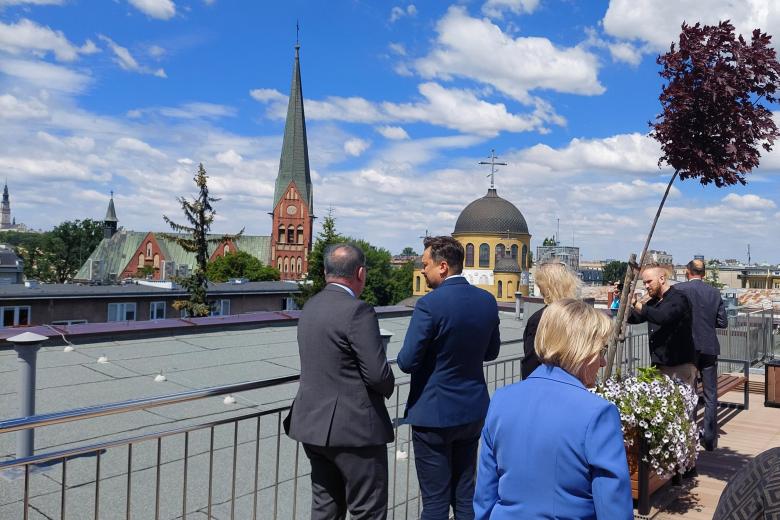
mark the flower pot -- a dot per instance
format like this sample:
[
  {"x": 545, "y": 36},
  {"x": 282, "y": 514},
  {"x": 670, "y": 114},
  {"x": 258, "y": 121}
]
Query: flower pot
[{"x": 644, "y": 481}]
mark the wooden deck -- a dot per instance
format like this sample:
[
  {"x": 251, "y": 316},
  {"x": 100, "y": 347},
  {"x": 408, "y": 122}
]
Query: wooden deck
[{"x": 743, "y": 435}]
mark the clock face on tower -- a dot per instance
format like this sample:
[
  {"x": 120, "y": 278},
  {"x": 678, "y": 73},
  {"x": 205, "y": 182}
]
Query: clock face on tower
[{"x": 291, "y": 210}]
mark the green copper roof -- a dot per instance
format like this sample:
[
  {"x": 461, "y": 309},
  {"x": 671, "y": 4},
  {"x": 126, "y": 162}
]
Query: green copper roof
[
  {"x": 111, "y": 212},
  {"x": 294, "y": 162}
]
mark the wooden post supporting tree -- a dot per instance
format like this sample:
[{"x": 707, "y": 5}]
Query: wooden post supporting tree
[{"x": 713, "y": 123}]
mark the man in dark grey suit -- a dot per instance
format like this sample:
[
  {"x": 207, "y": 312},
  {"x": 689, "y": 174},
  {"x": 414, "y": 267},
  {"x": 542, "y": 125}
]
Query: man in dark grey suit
[
  {"x": 708, "y": 313},
  {"x": 339, "y": 412}
]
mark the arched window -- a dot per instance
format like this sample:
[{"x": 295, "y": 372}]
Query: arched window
[
  {"x": 484, "y": 255},
  {"x": 514, "y": 251},
  {"x": 281, "y": 235},
  {"x": 286, "y": 265},
  {"x": 157, "y": 261},
  {"x": 140, "y": 259},
  {"x": 226, "y": 249},
  {"x": 524, "y": 258},
  {"x": 417, "y": 280},
  {"x": 149, "y": 249},
  {"x": 500, "y": 250},
  {"x": 500, "y": 289},
  {"x": 279, "y": 264},
  {"x": 300, "y": 265},
  {"x": 290, "y": 235},
  {"x": 469, "y": 255},
  {"x": 300, "y": 234},
  {"x": 509, "y": 291}
]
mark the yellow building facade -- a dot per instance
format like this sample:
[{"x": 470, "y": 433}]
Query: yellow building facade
[{"x": 495, "y": 237}]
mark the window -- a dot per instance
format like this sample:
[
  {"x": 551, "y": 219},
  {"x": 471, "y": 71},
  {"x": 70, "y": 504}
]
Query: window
[
  {"x": 279, "y": 264},
  {"x": 524, "y": 258},
  {"x": 500, "y": 289},
  {"x": 286, "y": 265},
  {"x": 500, "y": 250},
  {"x": 226, "y": 249},
  {"x": 221, "y": 308},
  {"x": 417, "y": 282},
  {"x": 69, "y": 322},
  {"x": 156, "y": 261},
  {"x": 300, "y": 234},
  {"x": 157, "y": 311},
  {"x": 140, "y": 259},
  {"x": 17, "y": 316},
  {"x": 291, "y": 235},
  {"x": 149, "y": 249},
  {"x": 484, "y": 255},
  {"x": 509, "y": 291},
  {"x": 514, "y": 251},
  {"x": 121, "y": 312},
  {"x": 281, "y": 235},
  {"x": 300, "y": 265},
  {"x": 469, "y": 255}
]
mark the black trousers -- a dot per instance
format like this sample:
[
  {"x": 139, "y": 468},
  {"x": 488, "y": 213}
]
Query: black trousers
[
  {"x": 707, "y": 365},
  {"x": 348, "y": 479},
  {"x": 446, "y": 461}
]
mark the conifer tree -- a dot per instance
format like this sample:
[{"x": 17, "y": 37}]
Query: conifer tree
[{"x": 194, "y": 238}]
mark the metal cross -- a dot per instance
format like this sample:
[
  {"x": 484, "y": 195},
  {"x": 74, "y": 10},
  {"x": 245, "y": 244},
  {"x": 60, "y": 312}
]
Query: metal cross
[
  {"x": 297, "y": 33},
  {"x": 493, "y": 169}
]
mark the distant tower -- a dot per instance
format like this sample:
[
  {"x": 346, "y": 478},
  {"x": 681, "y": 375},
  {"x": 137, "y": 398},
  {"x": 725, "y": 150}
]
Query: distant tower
[
  {"x": 110, "y": 222},
  {"x": 5, "y": 210},
  {"x": 293, "y": 218}
]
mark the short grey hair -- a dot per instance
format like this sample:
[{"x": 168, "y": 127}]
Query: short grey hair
[{"x": 343, "y": 260}]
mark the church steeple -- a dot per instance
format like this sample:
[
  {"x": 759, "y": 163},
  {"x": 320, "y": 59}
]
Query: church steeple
[
  {"x": 5, "y": 209},
  {"x": 293, "y": 219},
  {"x": 110, "y": 222}
]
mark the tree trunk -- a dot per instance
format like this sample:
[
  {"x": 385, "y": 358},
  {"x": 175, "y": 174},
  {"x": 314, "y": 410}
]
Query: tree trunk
[{"x": 618, "y": 335}]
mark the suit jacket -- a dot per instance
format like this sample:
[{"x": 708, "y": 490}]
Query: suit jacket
[
  {"x": 345, "y": 377},
  {"x": 530, "y": 360},
  {"x": 454, "y": 329},
  {"x": 669, "y": 327},
  {"x": 708, "y": 313},
  {"x": 552, "y": 449}
]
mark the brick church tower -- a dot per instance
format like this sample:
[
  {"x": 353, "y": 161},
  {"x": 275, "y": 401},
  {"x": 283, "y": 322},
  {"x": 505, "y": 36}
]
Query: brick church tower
[{"x": 293, "y": 213}]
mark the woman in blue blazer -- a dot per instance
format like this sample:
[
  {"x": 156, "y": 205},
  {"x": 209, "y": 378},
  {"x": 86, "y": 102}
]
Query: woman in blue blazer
[{"x": 550, "y": 448}]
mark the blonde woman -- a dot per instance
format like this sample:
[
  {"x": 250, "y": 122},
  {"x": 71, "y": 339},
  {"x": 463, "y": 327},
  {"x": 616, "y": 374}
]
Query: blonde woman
[
  {"x": 555, "y": 281},
  {"x": 550, "y": 448}
]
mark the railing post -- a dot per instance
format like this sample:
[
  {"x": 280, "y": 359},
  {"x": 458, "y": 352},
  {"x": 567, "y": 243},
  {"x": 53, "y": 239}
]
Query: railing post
[{"x": 26, "y": 346}]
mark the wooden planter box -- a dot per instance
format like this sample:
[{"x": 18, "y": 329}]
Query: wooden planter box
[{"x": 644, "y": 481}]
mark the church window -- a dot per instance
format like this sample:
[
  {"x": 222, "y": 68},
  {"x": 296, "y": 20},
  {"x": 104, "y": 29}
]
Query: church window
[
  {"x": 291, "y": 235},
  {"x": 286, "y": 265},
  {"x": 226, "y": 249},
  {"x": 282, "y": 232},
  {"x": 514, "y": 251},
  {"x": 279, "y": 264},
  {"x": 300, "y": 265},
  {"x": 156, "y": 261},
  {"x": 509, "y": 291},
  {"x": 484, "y": 255},
  {"x": 469, "y": 255},
  {"x": 500, "y": 249},
  {"x": 417, "y": 282},
  {"x": 149, "y": 249},
  {"x": 524, "y": 258},
  {"x": 500, "y": 289},
  {"x": 300, "y": 235},
  {"x": 140, "y": 259}
]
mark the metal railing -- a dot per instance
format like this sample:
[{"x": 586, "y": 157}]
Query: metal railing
[{"x": 238, "y": 467}]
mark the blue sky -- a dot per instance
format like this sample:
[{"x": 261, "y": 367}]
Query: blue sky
[{"x": 402, "y": 100}]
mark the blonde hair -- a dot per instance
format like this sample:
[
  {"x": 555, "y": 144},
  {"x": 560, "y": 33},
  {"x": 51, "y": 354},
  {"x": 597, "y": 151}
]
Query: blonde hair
[
  {"x": 570, "y": 333},
  {"x": 556, "y": 281}
]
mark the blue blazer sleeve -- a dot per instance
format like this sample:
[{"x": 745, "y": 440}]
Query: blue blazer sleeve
[
  {"x": 606, "y": 456},
  {"x": 419, "y": 336},
  {"x": 486, "y": 492}
]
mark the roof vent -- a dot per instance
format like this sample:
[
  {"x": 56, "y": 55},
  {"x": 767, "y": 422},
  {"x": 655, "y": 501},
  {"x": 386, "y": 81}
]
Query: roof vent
[
  {"x": 31, "y": 284},
  {"x": 237, "y": 281}
]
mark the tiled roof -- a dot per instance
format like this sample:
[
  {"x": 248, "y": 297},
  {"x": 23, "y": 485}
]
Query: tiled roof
[{"x": 491, "y": 214}]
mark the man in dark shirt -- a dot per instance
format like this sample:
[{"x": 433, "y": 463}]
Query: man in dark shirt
[{"x": 667, "y": 312}]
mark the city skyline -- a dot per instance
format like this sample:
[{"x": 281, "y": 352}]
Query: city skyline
[{"x": 131, "y": 96}]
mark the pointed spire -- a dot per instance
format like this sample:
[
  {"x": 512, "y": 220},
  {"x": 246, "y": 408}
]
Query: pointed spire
[
  {"x": 111, "y": 212},
  {"x": 294, "y": 161}
]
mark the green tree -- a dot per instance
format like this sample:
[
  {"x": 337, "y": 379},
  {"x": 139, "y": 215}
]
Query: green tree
[
  {"x": 614, "y": 271},
  {"x": 315, "y": 277},
  {"x": 145, "y": 271},
  {"x": 240, "y": 264},
  {"x": 194, "y": 238},
  {"x": 378, "y": 289},
  {"x": 408, "y": 251},
  {"x": 401, "y": 282},
  {"x": 549, "y": 241},
  {"x": 58, "y": 254},
  {"x": 713, "y": 275}
]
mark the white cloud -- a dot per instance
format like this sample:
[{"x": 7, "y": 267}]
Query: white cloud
[
  {"x": 396, "y": 13},
  {"x": 4, "y": 3},
  {"x": 46, "y": 168},
  {"x": 626, "y": 53},
  {"x": 160, "y": 9},
  {"x": 656, "y": 23},
  {"x": 136, "y": 145},
  {"x": 155, "y": 51},
  {"x": 355, "y": 147},
  {"x": 267, "y": 94},
  {"x": 478, "y": 50},
  {"x": 27, "y": 36},
  {"x": 186, "y": 161},
  {"x": 496, "y": 8},
  {"x": 748, "y": 202},
  {"x": 194, "y": 110},
  {"x": 79, "y": 143},
  {"x": 397, "y": 48},
  {"x": 620, "y": 194},
  {"x": 395, "y": 133},
  {"x": 12, "y": 107},
  {"x": 229, "y": 158},
  {"x": 126, "y": 60},
  {"x": 45, "y": 75}
]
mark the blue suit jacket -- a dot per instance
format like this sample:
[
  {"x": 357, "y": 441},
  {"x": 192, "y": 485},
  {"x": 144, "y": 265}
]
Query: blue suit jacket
[
  {"x": 454, "y": 329},
  {"x": 552, "y": 449},
  {"x": 707, "y": 313}
]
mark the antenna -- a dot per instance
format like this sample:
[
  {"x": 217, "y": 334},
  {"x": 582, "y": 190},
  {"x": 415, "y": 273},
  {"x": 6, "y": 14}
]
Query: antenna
[{"x": 748, "y": 254}]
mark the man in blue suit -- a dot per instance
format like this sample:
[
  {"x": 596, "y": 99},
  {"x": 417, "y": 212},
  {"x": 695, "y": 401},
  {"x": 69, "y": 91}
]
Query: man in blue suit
[
  {"x": 453, "y": 330},
  {"x": 708, "y": 313}
]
